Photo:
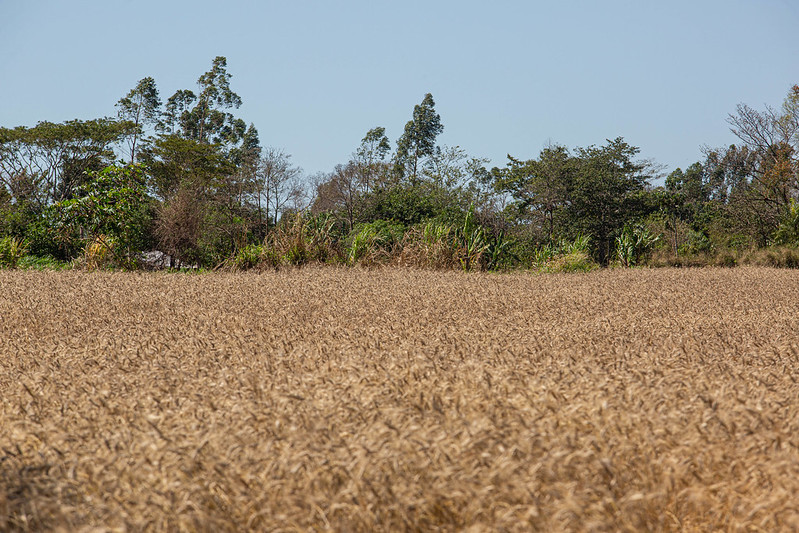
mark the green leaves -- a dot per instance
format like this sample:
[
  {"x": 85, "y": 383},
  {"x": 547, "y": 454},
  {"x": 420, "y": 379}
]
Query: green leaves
[
  {"x": 202, "y": 117},
  {"x": 54, "y": 157},
  {"x": 113, "y": 209},
  {"x": 595, "y": 191},
  {"x": 788, "y": 231},
  {"x": 634, "y": 243},
  {"x": 142, "y": 104},
  {"x": 11, "y": 251},
  {"x": 419, "y": 139}
]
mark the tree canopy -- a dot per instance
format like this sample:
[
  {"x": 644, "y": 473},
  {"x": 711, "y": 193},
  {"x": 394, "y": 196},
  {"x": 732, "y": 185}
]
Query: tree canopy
[{"x": 190, "y": 178}]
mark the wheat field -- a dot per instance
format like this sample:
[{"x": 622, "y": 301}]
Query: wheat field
[{"x": 331, "y": 399}]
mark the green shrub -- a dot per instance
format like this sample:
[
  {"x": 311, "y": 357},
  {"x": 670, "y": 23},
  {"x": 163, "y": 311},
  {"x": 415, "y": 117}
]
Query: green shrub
[
  {"x": 565, "y": 256},
  {"x": 46, "y": 237},
  {"x": 374, "y": 242},
  {"x": 788, "y": 232},
  {"x": 441, "y": 245},
  {"x": 362, "y": 244},
  {"x": 634, "y": 245},
  {"x": 297, "y": 254},
  {"x": 405, "y": 203},
  {"x": 100, "y": 252},
  {"x": 577, "y": 261},
  {"x": 315, "y": 235},
  {"x": 500, "y": 252},
  {"x": 11, "y": 251},
  {"x": 297, "y": 240},
  {"x": 473, "y": 244},
  {"x": 33, "y": 262},
  {"x": 428, "y": 246},
  {"x": 696, "y": 243},
  {"x": 248, "y": 257},
  {"x": 726, "y": 259}
]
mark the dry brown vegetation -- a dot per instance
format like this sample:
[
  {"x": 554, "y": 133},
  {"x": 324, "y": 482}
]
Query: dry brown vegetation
[{"x": 351, "y": 400}]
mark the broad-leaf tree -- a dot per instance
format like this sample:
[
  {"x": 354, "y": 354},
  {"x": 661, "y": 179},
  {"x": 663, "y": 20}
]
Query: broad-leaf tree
[
  {"x": 48, "y": 162},
  {"x": 607, "y": 193},
  {"x": 595, "y": 191},
  {"x": 113, "y": 210},
  {"x": 541, "y": 188}
]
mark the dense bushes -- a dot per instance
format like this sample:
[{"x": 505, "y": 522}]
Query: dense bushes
[
  {"x": 303, "y": 239},
  {"x": 374, "y": 243},
  {"x": 203, "y": 192},
  {"x": 112, "y": 219},
  {"x": 11, "y": 251},
  {"x": 297, "y": 240}
]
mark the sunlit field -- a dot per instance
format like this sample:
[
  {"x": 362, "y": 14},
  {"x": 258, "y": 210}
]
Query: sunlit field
[{"x": 400, "y": 400}]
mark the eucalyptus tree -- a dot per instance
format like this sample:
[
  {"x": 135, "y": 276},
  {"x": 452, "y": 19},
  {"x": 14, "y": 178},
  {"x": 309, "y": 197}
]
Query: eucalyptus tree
[
  {"x": 418, "y": 141},
  {"x": 370, "y": 158},
  {"x": 236, "y": 197},
  {"x": 205, "y": 117},
  {"x": 452, "y": 168},
  {"x": 176, "y": 115},
  {"x": 142, "y": 107},
  {"x": 204, "y": 168}
]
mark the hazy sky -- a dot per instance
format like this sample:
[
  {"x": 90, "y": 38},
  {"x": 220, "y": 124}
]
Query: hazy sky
[{"x": 507, "y": 76}]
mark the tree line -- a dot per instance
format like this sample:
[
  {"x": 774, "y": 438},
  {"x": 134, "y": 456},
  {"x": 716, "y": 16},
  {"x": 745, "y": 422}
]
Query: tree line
[{"x": 190, "y": 179}]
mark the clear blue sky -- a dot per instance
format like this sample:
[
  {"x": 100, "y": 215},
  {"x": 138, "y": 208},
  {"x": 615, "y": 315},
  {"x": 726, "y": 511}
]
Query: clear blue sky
[{"x": 507, "y": 76}]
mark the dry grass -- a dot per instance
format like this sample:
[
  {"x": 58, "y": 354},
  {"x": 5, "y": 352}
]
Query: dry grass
[{"x": 350, "y": 400}]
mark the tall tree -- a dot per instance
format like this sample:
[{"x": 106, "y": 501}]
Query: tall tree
[
  {"x": 772, "y": 134},
  {"x": 418, "y": 141},
  {"x": 176, "y": 115},
  {"x": 204, "y": 169},
  {"x": 607, "y": 192},
  {"x": 340, "y": 192},
  {"x": 245, "y": 158},
  {"x": 204, "y": 117},
  {"x": 762, "y": 174},
  {"x": 141, "y": 106},
  {"x": 768, "y": 132},
  {"x": 175, "y": 163},
  {"x": 278, "y": 183},
  {"x": 236, "y": 195},
  {"x": 370, "y": 157},
  {"x": 683, "y": 199},
  {"x": 540, "y": 187},
  {"x": 189, "y": 179},
  {"x": 48, "y": 162},
  {"x": 693, "y": 186}
]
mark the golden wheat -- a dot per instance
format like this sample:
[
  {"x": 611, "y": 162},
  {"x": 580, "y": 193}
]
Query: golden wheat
[{"x": 351, "y": 400}]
